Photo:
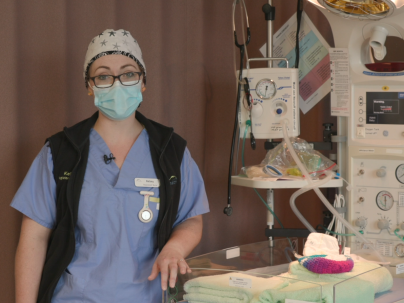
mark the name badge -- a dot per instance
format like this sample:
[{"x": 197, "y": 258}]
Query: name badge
[{"x": 143, "y": 182}]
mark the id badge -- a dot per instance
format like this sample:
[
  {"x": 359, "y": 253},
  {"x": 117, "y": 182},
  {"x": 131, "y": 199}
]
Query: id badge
[{"x": 145, "y": 182}]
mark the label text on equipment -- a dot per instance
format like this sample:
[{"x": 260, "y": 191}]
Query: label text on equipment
[{"x": 399, "y": 268}]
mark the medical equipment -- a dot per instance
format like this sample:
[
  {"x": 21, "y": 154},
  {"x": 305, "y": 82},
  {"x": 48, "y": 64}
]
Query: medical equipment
[
  {"x": 315, "y": 187},
  {"x": 249, "y": 264},
  {"x": 272, "y": 112},
  {"x": 286, "y": 127},
  {"x": 269, "y": 95},
  {"x": 145, "y": 214},
  {"x": 374, "y": 155},
  {"x": 274, "y": 97}
]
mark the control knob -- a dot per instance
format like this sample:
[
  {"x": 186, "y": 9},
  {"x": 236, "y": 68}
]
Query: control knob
[
  {"x": 381, "y": 172},
  {"x": 383, "y": 224},
  {"x": 361, "y": 222}
]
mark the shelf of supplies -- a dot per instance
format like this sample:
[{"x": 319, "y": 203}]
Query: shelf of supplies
[{"x": 243, "y": 181}]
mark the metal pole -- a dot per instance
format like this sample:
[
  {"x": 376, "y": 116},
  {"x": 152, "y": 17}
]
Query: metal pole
[
  {"x": 270, "y": 217},
  {"x": 269, "y": 43},
  {"x": 342, "y": 151}
]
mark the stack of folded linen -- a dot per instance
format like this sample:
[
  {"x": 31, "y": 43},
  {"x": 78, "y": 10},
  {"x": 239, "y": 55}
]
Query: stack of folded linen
[
  {"x": 378, "y": 275},
  {"x": 356, "y": 291},
  {"x": 216, "y": 289},
  {"x": 361, "y": 289}
]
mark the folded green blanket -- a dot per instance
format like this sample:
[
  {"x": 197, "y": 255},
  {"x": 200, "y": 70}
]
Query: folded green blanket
[
  {"x": 379, "y": 276},
  {"x": 356, "y": 291},
  {"x": 299, "y": 284},
  {"x": 217, "y": 289},
  {"x": 360, "y": 289}
]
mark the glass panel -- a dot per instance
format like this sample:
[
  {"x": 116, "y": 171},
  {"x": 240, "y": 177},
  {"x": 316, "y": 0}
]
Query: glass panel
[
  {"x": 249, "y": 256},
  {"x": 363, "y": 287},
  {"x": 212, "y": 285},
  {"x": 259, "y": 273},
  {"x": 256, "y": 259}
]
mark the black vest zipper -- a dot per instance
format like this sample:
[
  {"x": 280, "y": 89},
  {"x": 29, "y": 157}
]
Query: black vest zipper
[{"x": 167, "y": 189}]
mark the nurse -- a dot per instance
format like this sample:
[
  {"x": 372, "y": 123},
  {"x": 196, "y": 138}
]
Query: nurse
[{"x": 112, "y": 205}]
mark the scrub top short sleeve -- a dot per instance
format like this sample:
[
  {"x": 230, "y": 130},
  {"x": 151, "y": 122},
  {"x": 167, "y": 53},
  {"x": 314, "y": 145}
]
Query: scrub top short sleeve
[
  {"x": 37, "y": 194},
  {"x": 193, "y": 199}
]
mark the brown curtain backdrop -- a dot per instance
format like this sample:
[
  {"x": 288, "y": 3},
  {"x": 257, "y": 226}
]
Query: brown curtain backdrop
[{"x": 188, "y": 50}]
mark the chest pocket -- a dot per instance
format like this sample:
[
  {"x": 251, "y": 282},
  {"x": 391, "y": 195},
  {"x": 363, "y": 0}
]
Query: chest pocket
[
  {"x": 105, "y": 210},
  {"x": 147, "y": 214},
  {"x": 142, "y": 234}
]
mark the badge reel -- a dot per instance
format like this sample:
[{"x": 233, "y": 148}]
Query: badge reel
[{"x": 145, "y": 214}]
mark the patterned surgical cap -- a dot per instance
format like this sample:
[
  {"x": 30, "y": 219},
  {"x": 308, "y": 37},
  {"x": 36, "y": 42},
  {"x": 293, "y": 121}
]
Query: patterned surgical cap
[{"x": 113, "y": 42}]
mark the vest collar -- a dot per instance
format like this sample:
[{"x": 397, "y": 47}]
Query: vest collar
[
  {"x": 159, "y": 134},
  {"x": 78, "y": 134}
]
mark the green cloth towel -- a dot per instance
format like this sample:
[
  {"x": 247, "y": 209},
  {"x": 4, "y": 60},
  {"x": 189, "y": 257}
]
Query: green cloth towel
[
  {"x": 360, "y": 289},
  {"x": 216, "y": 289},
  {"x": 379, "y": 276},
  {"x": 356, "y": 291}
]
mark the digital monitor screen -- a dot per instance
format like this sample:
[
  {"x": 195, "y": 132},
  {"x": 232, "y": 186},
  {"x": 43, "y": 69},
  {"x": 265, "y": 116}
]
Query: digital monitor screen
[{"x": 384, "y": 108}]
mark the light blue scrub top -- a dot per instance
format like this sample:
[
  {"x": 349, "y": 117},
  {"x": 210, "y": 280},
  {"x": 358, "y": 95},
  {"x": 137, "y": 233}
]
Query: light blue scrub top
[{"x": 115, "y": 251}]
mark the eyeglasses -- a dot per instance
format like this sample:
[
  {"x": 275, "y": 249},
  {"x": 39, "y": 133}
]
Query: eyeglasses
[{"x": 127, "y": 79}]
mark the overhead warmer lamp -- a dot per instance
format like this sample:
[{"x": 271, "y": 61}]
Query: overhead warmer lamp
[
  {"x": 354, "y": 27},
  {"x": 362, "y": 9}
]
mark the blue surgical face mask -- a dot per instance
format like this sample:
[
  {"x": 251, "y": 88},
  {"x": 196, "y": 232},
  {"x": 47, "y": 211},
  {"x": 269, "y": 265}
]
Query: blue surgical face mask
[{"x": 118, "y": 102}]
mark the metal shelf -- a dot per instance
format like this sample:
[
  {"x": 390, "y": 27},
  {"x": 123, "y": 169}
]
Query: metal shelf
[{"x": 243, "y": 181}]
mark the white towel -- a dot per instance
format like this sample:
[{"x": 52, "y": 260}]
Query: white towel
[{"x": 216, "y": 289}]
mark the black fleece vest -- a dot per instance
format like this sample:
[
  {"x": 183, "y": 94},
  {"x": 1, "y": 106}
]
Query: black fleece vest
[{"x": 70, "y": 154}]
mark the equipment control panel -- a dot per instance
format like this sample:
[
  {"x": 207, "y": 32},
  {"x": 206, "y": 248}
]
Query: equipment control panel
[
  {"x": 377, "y": 202},
  {"x": 377, "y": 115},
  {"x": 274, "y": 96}
]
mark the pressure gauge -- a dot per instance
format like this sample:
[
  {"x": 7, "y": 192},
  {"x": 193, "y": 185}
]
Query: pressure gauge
[
  {"x": 399, "y": 250},
  {"x": 384, "y": 200},
  {"x": 400, "y": 173},
  {"x": 266, "y": 89}
]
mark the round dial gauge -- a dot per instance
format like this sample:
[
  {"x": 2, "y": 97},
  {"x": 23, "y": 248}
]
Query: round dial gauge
[
  {"x": 266, "y": 89},
  {"x": 399, "y": 250},
  {"x": 400, "y": 173},
  {"x": 384, "y": 200}
]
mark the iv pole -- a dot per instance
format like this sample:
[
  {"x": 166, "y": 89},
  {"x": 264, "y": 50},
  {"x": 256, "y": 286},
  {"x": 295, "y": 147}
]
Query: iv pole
[{"x": 269, "y": 12}]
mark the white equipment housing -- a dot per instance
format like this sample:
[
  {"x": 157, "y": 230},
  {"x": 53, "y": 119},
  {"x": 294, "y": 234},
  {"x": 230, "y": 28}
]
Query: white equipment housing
[
  {"x": 375, "y": 148},
  {"x": 281, "y": 102}
]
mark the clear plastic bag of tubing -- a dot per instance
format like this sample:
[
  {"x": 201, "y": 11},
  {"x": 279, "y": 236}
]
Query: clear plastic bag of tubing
[{"x": 279, "y": 162}]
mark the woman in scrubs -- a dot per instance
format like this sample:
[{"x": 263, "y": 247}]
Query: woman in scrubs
[{"x": 116, "y": 251}]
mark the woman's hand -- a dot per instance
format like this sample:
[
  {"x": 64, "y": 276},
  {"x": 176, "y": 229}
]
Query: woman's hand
[
  {"x": 168, "y": 263},
  {"x": 182, "y": 241}
]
